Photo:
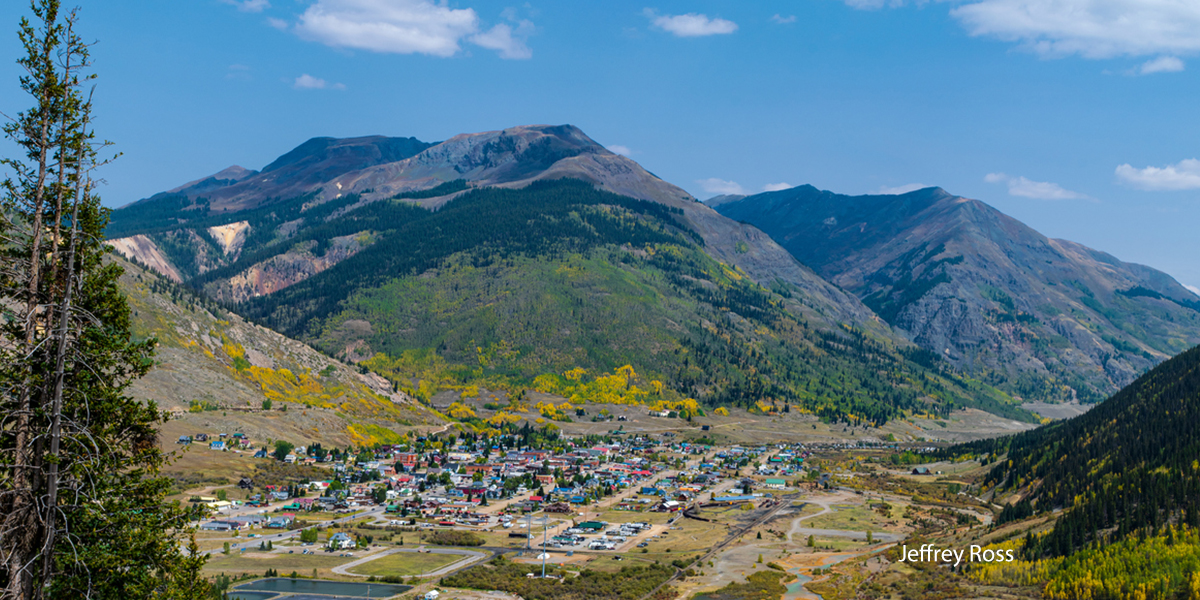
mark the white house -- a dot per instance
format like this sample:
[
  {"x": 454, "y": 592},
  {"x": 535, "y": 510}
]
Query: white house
[{"x": 341, "y": 541}]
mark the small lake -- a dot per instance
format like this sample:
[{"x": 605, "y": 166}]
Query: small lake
[
  {"x": 317, "y": 586},
  {"x": 238, "y": 595}
]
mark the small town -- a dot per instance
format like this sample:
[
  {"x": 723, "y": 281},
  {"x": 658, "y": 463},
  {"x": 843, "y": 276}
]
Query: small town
[
  {"x": 418, "y": 514},
  {"x": 466, "y": 300}
]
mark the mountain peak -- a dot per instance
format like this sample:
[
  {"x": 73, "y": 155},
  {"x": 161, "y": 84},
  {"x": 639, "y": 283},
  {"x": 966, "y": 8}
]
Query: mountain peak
[
  {"x": 965, "y": 280},
  {"x": 224, "y": 177},
  {"x": 357, "y": 152}
]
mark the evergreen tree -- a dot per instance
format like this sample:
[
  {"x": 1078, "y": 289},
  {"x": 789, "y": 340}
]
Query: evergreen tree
[{"x": 82, "y": 509}]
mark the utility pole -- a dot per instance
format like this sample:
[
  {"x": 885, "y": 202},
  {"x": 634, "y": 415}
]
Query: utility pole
[{"x": 545, "y": 529}]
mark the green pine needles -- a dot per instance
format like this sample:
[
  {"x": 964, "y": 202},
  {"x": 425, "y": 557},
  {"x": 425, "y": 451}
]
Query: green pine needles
[{"x": 82, "y": 511}]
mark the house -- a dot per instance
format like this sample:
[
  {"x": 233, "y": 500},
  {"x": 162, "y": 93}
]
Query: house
[
  {"x": 219, "y": 505},
  {"x": 282, "y": 521},
  {"x": 922, "y": 471},
  {"x": 341, "y": 541},
  {"x": 185, "y": 439},
  {"x": 217, "y": 445},
  {"x": 775, "y": 484},
  {"x": 247, "y": 521},
  {"x": 217, "y": 526}
]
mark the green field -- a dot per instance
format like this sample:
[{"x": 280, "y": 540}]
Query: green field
[
  {"x": 406, "y": 564},
  {"x": 851, "y": 518},
  {"x": 257, "y": 563}
]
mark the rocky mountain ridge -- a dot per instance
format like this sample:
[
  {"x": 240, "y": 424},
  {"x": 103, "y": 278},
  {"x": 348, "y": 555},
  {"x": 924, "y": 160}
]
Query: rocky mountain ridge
[
  {"x": 985, "y": 291},
  {"x": 324, "y": 172}
]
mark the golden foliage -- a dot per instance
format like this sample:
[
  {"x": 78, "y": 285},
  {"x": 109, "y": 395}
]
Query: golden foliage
[
  {"x": 460, "y": 411},
  {"x": 623, "y": 386},
  {"x": 502, "y": 418}
]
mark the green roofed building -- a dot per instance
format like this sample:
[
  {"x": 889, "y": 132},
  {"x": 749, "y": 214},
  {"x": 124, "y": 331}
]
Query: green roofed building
[
  {"x": 775, "y": 484},
  {"x": 591, "y": 525}
]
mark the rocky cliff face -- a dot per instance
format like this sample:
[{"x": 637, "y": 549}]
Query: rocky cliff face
[
  {"x": 1047, "y": 318},
  {"x": 285, "y": 269}
]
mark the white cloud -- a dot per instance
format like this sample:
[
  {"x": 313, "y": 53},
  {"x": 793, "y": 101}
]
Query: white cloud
[
  {"x": 1095, "y": 29},
  {"x": 713, "y": 185},
  {"x": 1183, "y": 175},
  {"x": 782, "y": 20},
  {"x": 390, "y": 26},
  {"x": 619, "y": 149},
  {"x": 901, "y": 189},
  {"x": 308, "y": 82},
  {"x": 1193, "y": 289},
  {"x": 253, "y": 6},
  {"x": 1040, "y": 190},
  {"x": 408, "y": 27},
  {"x": 279, "y": 24},
  {"x": 691, "y": 24},
  {"x": 1162, "y": 64},
  {"x": 506, "y": 40},
  {"x": 1089, "y": 28},
  {"x": 775, "y": 187}
]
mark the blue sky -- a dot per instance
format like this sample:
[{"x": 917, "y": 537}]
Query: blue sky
[{"x": 1075, "y": 116}]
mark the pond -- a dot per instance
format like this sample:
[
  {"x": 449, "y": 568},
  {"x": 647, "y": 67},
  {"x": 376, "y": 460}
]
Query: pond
[
  {"x": 239, "y": 595},
  {"x": 318, "y": 586}
]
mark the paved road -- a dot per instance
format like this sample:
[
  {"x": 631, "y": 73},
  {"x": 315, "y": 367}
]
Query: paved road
[{"x": 252, "y": 543}]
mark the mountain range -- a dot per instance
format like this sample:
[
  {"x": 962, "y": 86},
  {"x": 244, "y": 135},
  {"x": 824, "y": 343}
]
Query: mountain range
[
  {"x": 515, "y": 253},
  {"x": 1042, "y": 318}
]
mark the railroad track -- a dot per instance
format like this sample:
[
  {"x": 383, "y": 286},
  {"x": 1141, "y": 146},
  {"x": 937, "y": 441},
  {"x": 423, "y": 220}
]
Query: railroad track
[{"x": 779, "y": 504}]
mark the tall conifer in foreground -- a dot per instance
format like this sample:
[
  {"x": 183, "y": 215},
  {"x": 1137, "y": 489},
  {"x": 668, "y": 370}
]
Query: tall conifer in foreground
[{"x": 82, "y": 511}]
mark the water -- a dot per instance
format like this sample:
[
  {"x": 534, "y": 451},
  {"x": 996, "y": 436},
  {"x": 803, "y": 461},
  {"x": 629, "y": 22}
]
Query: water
[
  {"x": 236, "y": 595},
  {"x": 322, "y": 587},
  {"x": 796, "y": 588}
]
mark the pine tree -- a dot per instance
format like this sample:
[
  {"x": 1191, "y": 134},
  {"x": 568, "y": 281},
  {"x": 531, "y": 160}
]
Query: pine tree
[{"x": 82, "y": 510}]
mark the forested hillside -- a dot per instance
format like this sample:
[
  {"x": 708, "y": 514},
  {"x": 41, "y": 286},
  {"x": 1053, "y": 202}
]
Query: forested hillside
[
  {"x": 501, "y": 286},
  {"x": 1130, "y": 465},
  {"x": 503, "y": 256},
  {"x": 505, "y": 285}
]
